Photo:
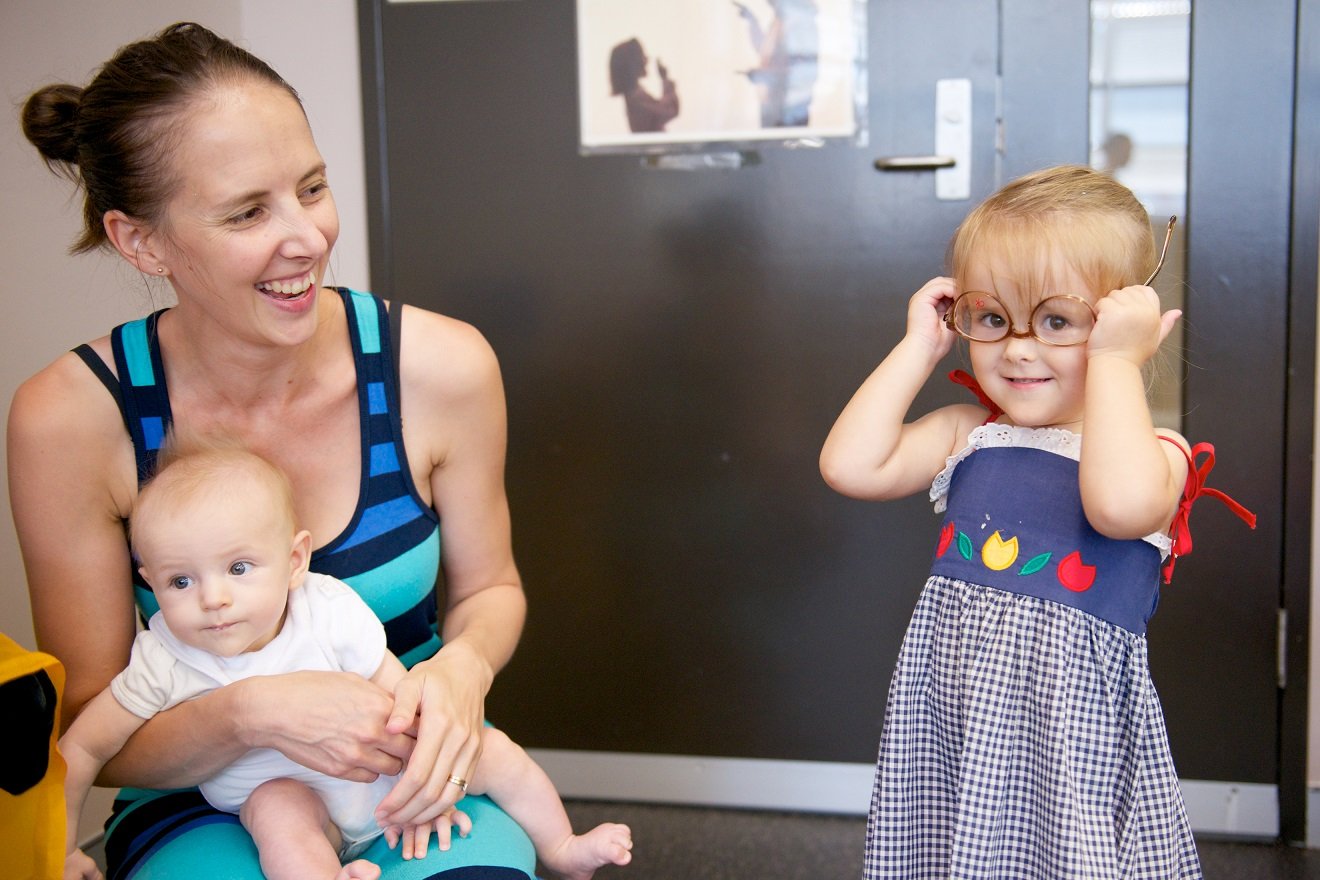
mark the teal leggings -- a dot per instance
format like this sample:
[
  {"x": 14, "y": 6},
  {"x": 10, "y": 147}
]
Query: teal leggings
[{"x": 154, "y": 835}]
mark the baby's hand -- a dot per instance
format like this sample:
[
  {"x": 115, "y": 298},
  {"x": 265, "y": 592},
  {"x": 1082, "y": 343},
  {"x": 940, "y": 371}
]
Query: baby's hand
[
  {"x": 1129, "y": 325},
  {"x": 79, "y": 866},
  {"x": 926, "y": 311},
  {"x": 416, "y": 837}
]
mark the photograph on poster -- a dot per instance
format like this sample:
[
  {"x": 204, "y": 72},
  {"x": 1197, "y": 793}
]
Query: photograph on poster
[{"x": 681, "y": 74}]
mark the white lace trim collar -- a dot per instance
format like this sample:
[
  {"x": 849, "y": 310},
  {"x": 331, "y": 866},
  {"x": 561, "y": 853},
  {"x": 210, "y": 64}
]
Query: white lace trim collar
[{"x": 1057, "y": 440}]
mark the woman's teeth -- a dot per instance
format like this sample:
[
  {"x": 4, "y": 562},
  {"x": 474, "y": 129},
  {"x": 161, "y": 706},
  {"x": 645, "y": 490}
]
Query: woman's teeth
[{"x": 288, "y": 288}]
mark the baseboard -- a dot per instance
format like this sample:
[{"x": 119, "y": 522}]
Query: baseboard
[
  {"x": 1313, "y": 818},
  {"x": 1229, "y": 809}
]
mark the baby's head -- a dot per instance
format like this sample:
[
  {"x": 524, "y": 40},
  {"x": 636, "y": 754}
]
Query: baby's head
[
  {"x": 1064, "y": 220},
  {"x": 215, "y": 537}
]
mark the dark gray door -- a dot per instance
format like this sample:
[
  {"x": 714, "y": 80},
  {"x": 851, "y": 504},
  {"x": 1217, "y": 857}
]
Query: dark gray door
[{"x": 675, "y": 347}]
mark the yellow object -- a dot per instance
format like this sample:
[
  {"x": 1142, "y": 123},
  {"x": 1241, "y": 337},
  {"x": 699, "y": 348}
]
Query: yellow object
[
  {"x": 32, "y": 823},
  {"x": 998, "y": 554}
]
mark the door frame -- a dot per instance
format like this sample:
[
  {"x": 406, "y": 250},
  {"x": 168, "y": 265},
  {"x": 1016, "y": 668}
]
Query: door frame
[{"x": 1295, "y": 713}]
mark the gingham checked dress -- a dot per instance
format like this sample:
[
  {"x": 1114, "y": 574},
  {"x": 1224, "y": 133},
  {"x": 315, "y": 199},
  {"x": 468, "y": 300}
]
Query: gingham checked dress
[{"x": 1023, "y": 737}]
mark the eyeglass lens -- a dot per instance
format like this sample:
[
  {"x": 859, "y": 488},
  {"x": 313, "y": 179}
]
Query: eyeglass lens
[{"x": 1058, "y": 320}]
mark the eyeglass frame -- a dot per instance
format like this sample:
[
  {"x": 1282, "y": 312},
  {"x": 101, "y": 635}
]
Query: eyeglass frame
[{"x": 1030, "y": 332}]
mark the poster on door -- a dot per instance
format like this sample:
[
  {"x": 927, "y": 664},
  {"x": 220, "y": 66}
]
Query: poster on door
[{"x": 661, "y": 75}]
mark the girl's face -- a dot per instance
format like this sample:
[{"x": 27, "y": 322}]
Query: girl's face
[
  {"x": 1037, "y": 385},
  {"x": 249, "y": 231}
]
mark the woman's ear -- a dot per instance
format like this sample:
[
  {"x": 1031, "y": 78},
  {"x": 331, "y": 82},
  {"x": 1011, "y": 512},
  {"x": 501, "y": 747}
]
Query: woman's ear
[
  {"x": 300, "y": 557},
  {"x": 135, "y": 242}
]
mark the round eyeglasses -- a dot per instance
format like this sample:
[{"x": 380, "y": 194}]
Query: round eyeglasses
[{"x": 1060, "y": 320}]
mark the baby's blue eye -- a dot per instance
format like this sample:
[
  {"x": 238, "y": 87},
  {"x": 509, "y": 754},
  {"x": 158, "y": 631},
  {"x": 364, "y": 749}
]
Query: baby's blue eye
[
  {"x": 240, "y": 568},
  {"x": 181, "y": 582}
]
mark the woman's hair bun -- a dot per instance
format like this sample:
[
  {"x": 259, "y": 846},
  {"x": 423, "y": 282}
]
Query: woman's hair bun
[{"x": 50, "y": 119}]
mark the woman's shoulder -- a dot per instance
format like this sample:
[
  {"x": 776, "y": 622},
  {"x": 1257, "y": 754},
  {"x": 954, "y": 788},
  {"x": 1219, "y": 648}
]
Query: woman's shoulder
[
  {"x": 65, "y": 426},
  {"x": 66, "y": 394},
  {"x": 443, "y": 354}
]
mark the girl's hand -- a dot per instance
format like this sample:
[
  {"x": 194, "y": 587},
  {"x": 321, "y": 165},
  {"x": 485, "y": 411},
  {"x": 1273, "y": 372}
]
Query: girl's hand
[
  {"x": 444, "y": 698},
  {"x": 925, "y": 316},
  {"x": 331, "y": 722},
  {"x": 1129, "y": 325}
]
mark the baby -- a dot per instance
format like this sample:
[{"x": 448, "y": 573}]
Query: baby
[{"x": 215, "y": 535}]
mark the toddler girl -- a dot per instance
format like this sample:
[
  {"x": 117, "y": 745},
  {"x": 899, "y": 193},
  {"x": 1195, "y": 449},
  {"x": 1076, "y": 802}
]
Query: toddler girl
[{"x": 1023, "y": 737}]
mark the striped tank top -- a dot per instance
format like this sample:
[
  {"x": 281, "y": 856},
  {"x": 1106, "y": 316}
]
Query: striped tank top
[{"x": 390, "y": 550}]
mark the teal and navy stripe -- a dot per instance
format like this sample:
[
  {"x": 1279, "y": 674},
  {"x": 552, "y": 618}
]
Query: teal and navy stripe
[{"x": 390, "y": 552}]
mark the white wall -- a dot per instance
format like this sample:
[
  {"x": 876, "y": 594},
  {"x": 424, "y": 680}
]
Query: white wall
[{"x": 51, "y": 301}]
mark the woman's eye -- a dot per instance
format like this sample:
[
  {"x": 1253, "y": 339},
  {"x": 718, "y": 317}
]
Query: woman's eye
[
  {"x": 181, "y": 582},
  {"x": 240, "y": 568},
  {"x": 246, "y": 216},
  {"x": 316, "y": 189}
]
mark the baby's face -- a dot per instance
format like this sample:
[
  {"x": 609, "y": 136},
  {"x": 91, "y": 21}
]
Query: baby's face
[{"x": 221, "y": 572}]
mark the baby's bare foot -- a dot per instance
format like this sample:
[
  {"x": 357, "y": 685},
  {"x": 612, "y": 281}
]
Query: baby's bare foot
[
  {"x": 578, "y": 857},
  {"x": 359, "y": 870}
]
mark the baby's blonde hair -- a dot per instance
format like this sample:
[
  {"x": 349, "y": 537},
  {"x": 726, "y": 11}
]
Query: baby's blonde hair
[
  {"x": 1072, "y": 213},
  {"x": 208, "y": 471}
]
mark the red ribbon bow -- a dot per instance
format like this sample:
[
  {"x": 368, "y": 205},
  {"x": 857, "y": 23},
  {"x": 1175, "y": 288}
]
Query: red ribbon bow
[
  {"x": 966, "y": 380},
  {"x": 1180, "y": 532}
]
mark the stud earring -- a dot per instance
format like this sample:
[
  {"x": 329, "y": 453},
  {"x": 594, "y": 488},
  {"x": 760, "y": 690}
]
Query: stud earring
[{"x": 160, "y": 270}]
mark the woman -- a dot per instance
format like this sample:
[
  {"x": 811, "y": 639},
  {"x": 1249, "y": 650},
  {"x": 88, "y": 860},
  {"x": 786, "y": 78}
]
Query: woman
[
  {"x": 646, "y": 113},
  {"x": 199, "y": 168}
]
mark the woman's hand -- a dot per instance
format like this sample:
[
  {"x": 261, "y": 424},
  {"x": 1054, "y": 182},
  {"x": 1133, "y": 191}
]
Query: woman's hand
[
  {"x": 1129, "y": 325},
  {"x": 444, "y": 699},
  {"x": 331, "y": 722}
]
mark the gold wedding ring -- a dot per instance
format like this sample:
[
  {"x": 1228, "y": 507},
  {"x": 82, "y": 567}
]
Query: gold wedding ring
[{"x": 460, "y": 782}]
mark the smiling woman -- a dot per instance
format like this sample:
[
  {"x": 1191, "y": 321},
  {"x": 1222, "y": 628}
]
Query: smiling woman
[{"x": 199, "y": 167}]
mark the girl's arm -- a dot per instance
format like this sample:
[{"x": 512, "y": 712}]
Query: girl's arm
[
  {"x": 870, "y": 452},
  {"x": 1131, "y": 480},
  {"x": 453, "y": 412},
  {"x": 72, "y": 480}
]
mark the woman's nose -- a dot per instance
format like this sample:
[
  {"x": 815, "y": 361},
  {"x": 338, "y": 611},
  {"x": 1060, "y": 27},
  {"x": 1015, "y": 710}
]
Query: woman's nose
[{"x": 302, "y": 234}]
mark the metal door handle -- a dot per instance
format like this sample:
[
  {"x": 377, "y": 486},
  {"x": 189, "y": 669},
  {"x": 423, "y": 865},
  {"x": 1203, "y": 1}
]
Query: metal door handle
[
  {"x": 951, "y": 158},
  {"x": 914, "y": 163}
]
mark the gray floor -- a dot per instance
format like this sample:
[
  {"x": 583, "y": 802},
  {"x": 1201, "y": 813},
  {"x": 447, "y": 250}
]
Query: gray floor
[
  {"x": 706, "y": 844},
  {"x": 693, "y": 843}
]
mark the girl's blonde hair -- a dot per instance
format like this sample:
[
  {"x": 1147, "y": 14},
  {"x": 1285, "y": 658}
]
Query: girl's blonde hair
[{"x": 1070, "y": 213}]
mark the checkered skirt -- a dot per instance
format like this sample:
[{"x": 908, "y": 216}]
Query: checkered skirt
[{"x": 1023, "y": 739}]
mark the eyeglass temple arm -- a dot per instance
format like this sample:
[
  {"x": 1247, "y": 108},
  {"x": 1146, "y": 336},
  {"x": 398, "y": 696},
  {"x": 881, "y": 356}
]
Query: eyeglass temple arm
[{"x": 1168, "y": 236}]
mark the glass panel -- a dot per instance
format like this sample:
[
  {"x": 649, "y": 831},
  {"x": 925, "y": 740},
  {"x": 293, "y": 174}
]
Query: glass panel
[{"x": 1139, "y": 72}]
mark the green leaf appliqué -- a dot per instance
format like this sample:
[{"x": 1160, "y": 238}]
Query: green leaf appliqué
[
  {"x": 1035, "y": 564},
  {"x": 965, "y": 546}
]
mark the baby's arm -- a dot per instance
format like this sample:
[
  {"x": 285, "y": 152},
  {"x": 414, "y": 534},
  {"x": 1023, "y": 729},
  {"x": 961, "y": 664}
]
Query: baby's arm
[
  {"x": 870, "y": 452},
  {"x": 96, "y": 736},
  {"x": 1130, "y": 479}
]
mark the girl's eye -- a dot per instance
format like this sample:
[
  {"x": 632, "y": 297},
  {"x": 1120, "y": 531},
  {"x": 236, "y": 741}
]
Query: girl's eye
[
  {"x": 240, "y": 568},
  {"x": 181, "y": 582},
  {"x": 1057, "y": 322},
  {"x": 993, "y": 320}
]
